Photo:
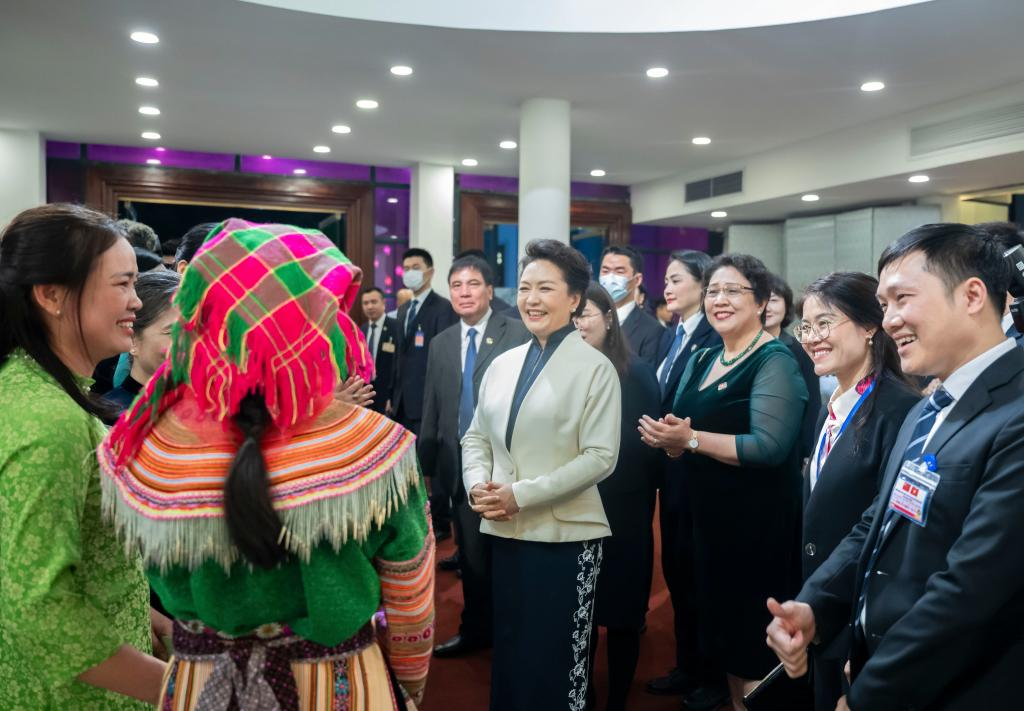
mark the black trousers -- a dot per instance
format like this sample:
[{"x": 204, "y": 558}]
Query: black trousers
[
  {"x": 678, "y": 567},
  {"x": 827, "y": 678},
  {"x": 474, "y": 552}
]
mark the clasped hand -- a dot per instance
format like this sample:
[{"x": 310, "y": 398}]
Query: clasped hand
[
  {"x": 493, "y": 501},
  {"x": 669, "y": 433}
]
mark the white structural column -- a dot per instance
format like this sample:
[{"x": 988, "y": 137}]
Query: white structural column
[
  {"x": 432, "y": 217},
  {"x": 544, "y": 143},
  {"x": 22, "y": 172}
]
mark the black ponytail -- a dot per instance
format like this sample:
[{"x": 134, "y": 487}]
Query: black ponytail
[{"x": 254, "y": 526}]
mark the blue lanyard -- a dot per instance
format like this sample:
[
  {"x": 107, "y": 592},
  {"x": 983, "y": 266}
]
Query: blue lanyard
[{"x": 860, "y": 401}]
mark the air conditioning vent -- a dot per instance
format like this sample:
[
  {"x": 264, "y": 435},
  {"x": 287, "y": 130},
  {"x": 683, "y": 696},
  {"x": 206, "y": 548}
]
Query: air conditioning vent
[
  {"x": 714, "y": 187},
  {"x": 979, "y": 126}
]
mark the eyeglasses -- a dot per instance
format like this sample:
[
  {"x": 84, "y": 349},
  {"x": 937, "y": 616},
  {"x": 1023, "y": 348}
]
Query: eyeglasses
[
  {"x": 731, "y": 291},
  {"x": 584, "y": 316},
  {"x": 805, "y": 333}
]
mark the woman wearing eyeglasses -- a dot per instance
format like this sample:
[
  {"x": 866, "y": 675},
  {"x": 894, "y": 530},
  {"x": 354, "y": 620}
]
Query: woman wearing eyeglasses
[
  {"x": 841, "y": 331},
  {"x": 736, "y": 416}
]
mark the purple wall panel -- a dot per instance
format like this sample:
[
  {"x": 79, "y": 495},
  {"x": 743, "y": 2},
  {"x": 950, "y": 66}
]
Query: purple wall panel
[
  {"x": 498, "y": 184},
  {"x": 402, "y": 176},
  {"x": 63, "y": 149},
  {"x": 314, "y": 168},
  {"x": 166, "y": 156},
  {"x": 656, "y": 243}
]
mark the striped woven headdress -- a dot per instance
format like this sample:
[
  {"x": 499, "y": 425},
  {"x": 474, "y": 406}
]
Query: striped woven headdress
[{"x": 263, "y": 309}]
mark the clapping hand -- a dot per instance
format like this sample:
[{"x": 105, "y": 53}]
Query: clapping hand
[
  {"x": 355, "y": 391},
  {"x": 791, "y": 630},
  {"x": 669, "y": 433},
  {"x": 493, "y": 501}
]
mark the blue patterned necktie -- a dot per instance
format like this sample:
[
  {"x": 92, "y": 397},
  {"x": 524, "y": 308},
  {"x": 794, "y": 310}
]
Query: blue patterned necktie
[
  {"x": 670, "y": 359},
  {"x": 466, "y": 404},
  {"x": 939, "y": 400},
  {"x": 373, "y": 340},
  {"x": 410, "y": 319}
]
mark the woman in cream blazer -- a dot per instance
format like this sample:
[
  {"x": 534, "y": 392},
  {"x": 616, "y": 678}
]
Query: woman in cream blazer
[{"x": 545, "y": 432}]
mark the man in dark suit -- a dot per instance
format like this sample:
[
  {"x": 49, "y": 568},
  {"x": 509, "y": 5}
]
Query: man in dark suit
[
  {"x": 622, "y": 272},
  {"x": 419, "y": 321},
  {"x": 459, "y": 357},
  {"x": 381, "y": 333},
  {"x": 1009, "y": 236},
  {"x": 930, "y": 578},
  {"x": 702, "y": 688}
]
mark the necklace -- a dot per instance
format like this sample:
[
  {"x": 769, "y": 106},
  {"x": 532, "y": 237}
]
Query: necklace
[{"x": 727, "y": 363}]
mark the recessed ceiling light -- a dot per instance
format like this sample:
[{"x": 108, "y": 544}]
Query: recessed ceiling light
[
  {"x": 266, "y": 157},
  {"x": 470, "y": 162},
  {"x": 160, "y": 149},
  {"x": 146, "y": 81},
  {"x": 719, "y": 213},
  {"x": 367, "y": 104},
  {"x": 151, "y": 135},
  {"x": 153, "y": 161},
  {"x": 508, "y": 145},
  {"x": 657, "y": 72},
  {"x": 401, "y": 70},
  {"x": 597, "y": 173},
  {"x": 393, "y": 201},
  {"x": 341, "y": 128},
  {"x": 321, "y": 149},
  {"x": 919, "y": 178},
  {"x": 701, "y": 141},
  {"x": 299, "y": 171},
  {"x": 149, "y": 111},
  {"x": 810, "y": 197},
  {"x": 872, "y": 86},
  {"x": 144, "y": 37}
]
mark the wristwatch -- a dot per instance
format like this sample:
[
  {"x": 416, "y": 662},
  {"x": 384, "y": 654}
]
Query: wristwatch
[{"x": 693, "y": 443}]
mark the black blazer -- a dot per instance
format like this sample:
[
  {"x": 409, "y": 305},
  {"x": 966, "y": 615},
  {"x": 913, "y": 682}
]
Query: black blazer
[
  {"x": 945, "y": 610},
  {"x": 850, "y": 480},
  {"x": 812, "y": 413},
  {"x": 438, "y": 444},
  {"x": 384, "y": 363},
  {"x": 1016, "y": 335},
  {"x": 433, "y": 316},
  {"x": 704, "y": 336},
  {"x": 643, "y": 335}
]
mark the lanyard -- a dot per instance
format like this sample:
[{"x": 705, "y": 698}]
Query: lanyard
[{"x": 849, "y": 418}]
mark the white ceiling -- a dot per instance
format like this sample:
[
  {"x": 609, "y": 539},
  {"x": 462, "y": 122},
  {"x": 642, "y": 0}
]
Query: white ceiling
[
  {"x": 590, "y": 15},
  {"x": 241, "y": 77}
]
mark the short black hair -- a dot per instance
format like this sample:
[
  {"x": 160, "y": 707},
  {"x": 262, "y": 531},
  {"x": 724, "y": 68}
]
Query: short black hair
[
  {"x": 472, "y": 252},
  {"x": 659, "y": 302},
  {"x": 419, "y": 252},
  {"x": 752, "y": 269},
  {"x": 147, "y": 260},
  {"x": 696, "y": 263},
  {"x": 574, "y": 266},
  {"x": 635, "y": 259},
  {"x": 1009, "y": 234},
  {"x": 471, "y": 261},
  {"x": 169, "y": 247},
  {"x": 370, "y": 289},
  {"x": 192, "y": 240},
  {"x": 955, "y": 253},
  {"x": 781, "y": 289}
]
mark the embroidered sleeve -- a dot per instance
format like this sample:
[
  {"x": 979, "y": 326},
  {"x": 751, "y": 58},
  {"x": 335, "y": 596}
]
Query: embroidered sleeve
[{"x": 406, "y": 568}]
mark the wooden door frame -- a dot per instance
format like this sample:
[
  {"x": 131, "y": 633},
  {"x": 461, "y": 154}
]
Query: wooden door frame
[
  {"x": 106, "y": 185},
  {"x": 476, "y": 209}
]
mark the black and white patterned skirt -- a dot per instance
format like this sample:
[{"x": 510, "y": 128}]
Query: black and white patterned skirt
[{"x": 543, "y": 614}]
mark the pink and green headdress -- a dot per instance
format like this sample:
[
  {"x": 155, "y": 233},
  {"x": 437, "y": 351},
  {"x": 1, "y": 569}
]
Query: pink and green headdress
[{"x": 264, "y": 308}]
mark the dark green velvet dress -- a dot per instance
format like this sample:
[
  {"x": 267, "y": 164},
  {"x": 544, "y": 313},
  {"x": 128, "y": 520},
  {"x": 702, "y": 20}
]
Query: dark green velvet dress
[{"x": 746, "y": 518}]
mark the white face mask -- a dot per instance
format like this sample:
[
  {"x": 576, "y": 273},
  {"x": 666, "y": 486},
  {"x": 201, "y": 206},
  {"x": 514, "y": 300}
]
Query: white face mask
[
  {"x": 616, "y": 285},
  {"x": 412, "y": 279}
]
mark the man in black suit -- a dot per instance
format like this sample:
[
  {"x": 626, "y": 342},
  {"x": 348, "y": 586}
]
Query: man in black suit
[
  {"x": 930, "y": 578},
  {"x": 1009, "y": 236},
  {"x": 622, "y": 272},
  {"x": 381, "y": 333},
  {"x": 419, "y": 321},
  {"x": 702, "y": 687},
  {"x": 459, "y": 357}
]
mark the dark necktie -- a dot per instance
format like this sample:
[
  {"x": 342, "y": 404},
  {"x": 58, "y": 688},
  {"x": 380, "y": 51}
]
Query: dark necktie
[
  {"x": 373, "y": 341},
  {"x": 939, "y": 400},
  {"x": 670, "y": 359},
  {"x": 466, "y": 404},
  {"x": 410, "y": 319}
]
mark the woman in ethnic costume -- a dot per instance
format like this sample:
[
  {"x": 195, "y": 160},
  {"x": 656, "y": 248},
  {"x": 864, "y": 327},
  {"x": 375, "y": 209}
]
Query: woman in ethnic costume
[
  {"x": 74, "y": 611},
  {"x": 274, "y": 520}
]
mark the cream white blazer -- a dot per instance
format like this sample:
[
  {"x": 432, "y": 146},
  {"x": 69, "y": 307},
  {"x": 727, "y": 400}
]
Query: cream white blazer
[{"x": 566, "y": 440}]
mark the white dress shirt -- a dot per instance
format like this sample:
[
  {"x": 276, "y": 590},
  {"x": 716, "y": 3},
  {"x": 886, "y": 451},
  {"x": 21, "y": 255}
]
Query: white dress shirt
[
  {"x": 374, "y": 336},
  {"x": 480, "y": 327},
  {"x": 689, "y": 326},
  {"x": 625, "y": 310},
  {"x": 1007, "y": 322},
  {"x": 839, "y": 407}
]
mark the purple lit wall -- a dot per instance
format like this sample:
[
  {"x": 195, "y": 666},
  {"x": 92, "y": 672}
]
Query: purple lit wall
[
  {"x": 657, "y": 243},
  {"x": 390, "y": 238},
  {"x": 498, "y": 184}
]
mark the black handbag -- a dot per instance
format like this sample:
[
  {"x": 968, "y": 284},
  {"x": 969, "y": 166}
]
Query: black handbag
[{"x": 777, "y": 692}]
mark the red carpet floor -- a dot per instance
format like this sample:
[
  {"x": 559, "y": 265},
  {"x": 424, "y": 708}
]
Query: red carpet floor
[{"x": 464, "y": 683}]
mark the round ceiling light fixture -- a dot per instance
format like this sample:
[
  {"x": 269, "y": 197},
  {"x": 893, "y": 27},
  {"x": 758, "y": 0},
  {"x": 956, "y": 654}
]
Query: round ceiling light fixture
[
  {"x": 149, "y": 111},
  {"x": 341, "y": 128},
  {"x": 367, "y": 104},
  {"x": 151, "y": 135},
  {"x": 719, "y": 213},
  {"x": 392, "y": 201},
  {"x": 143, "y": 37},
  {"x": 321, "y": 149},
  {"x": 401, "y": 70},
  {"x": 918, "y": 178},
  {"x": 872, "y": 86},
  {"x": 508, "y": 145},
  {"x": 700, "y": 141},
  {"x": 657, "y": 73},
  {"x": 810, "y": 197},
  {"x": 598, "y": 173},
  {"x": 470, "y": 162},
  {"x": 148, "y": 82}
]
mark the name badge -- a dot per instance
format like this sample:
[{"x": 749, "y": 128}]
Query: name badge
[
  {"x": 420, "y": 340},
  {"x": 387, "y": 347},
  {"x": 912, "y": 492}
]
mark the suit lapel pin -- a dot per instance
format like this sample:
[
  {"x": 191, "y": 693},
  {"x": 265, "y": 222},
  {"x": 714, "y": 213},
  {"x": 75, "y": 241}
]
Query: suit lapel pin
[
  {"x": 693, "y": 347},
  {"x": 489, "y": 341},
  {"x": 723, "y": 386}
]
